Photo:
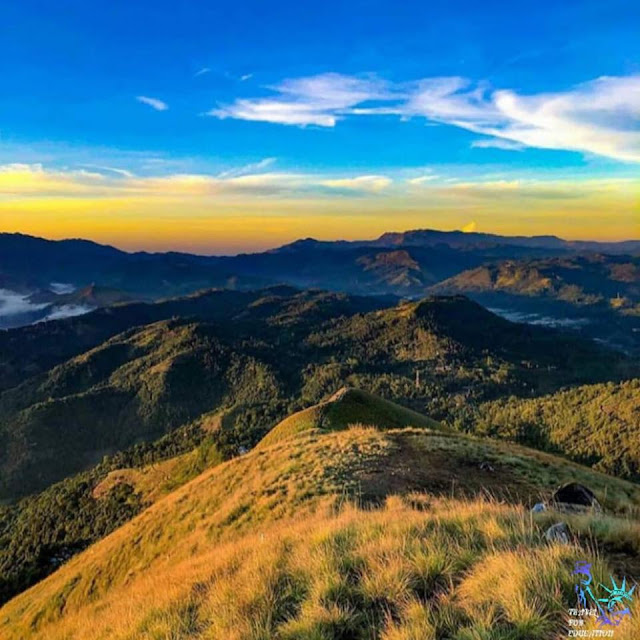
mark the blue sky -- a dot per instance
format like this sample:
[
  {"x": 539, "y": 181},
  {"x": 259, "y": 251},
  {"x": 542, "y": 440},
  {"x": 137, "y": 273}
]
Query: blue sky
[{"x": 457, "y": 91}]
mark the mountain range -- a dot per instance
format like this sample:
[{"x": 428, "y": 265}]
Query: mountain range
[
  {"x": 26, "y": 261},
  {"x": 147, "y": 368},
  {"x": 541, "y": 279}
]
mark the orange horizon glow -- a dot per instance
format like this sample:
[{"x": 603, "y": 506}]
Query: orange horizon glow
[
  {"x": 212, "y": 215},
  {"x": 251, "y": 233}
]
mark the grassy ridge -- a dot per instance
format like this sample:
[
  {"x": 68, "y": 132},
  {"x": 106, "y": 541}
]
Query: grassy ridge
[
  {"x": 279, "y": 543},
  {"x": 36, "y": 535},
  {"x": 40, "y": 532}
]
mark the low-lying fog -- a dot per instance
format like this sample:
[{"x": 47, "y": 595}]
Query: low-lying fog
[
  {"x": 13, "y": 303},
  {"x": 18, "y": 309},
  {"x": 537, "y": 319}
]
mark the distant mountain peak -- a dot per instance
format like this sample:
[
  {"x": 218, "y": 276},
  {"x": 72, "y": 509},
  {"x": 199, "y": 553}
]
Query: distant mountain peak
[
  {"x": 301, "y": 243},
  {"x": 458, "y": 238}
]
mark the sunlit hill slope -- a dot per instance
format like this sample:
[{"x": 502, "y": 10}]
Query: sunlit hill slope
[{"x": 342, "y": 531}]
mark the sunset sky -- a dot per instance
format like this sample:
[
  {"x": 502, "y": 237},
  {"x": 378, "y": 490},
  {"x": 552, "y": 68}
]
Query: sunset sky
[{"x": 222, "y": 127}]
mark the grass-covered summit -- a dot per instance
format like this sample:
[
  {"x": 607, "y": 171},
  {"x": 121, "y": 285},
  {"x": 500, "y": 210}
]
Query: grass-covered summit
[{"x": 345, "y": 408}]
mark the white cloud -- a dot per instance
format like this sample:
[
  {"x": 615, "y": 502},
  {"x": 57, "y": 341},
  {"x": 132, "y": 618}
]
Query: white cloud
[
  {"x": 34, "y": 179},
  {"x": 601, "y": 117},
  {"x": 317, "y": 100},
  {"x": 449, "y": 100},
  {"x": 497, "y": 143},
  {"x": 13, "y": 303},
  {"x": 266, "y": 184},
  {"x": 246, "y": 76},
  {"x": 558, "y": 190},
  {"x": 154, "y": 103},
  {"x": 252, "y": 167},
  {"x": 253, "y": 179},
  {"x": 116, "y": 170},
  {"x": 202, "y": 72},
  {"x": 420, "y": 180},
  {"x": 371, "y": 184},
  {"x": 67, "y": 311},
  {"x": 61, "y": 288}
]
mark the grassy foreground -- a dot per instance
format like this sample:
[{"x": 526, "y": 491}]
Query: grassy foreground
[{"x": 358, "y": 533}]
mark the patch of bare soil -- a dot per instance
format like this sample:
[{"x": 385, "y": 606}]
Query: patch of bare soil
[{"x": 409, "y": 468}]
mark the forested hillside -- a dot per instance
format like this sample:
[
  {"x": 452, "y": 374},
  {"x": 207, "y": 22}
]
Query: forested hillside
[
  {"x": 588, "y": 280},
  {"x": 596, "y": 424},
  {"x": 262, "y": 357}
]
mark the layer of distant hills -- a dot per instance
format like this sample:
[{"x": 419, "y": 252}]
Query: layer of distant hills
[{"x": 591, "y": 287}]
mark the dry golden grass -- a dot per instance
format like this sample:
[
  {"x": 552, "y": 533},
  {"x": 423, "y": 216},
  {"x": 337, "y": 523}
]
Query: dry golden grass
[
  {"x": 394, "y": 573},
  {"x": 276, "y": 544}
]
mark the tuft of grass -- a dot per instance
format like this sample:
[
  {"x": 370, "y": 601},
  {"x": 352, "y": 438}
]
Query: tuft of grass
[{"x": 524, "y": 590}]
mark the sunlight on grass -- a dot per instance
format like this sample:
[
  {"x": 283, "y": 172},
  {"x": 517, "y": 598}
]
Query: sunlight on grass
[{"x": 279, "y": 544}]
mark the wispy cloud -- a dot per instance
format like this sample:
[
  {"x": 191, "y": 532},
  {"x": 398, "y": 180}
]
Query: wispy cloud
[
  {"x": 514, "y": 189},
  {"x": 318, "y": 100},
  {"x": 21, "y": 182},
  {"x": 67, "y": 311},
  {"x": 421, "y": 180},
  {"x": 34, "y": 179},
  {"x": 364, "y": 184},
  {"x": 497, "y": 143},
  {"x": 253, "y": 179},
  {"x": 246, "y": 76},
  {"x": 13, "y": 303},
  {"x": 600, "y": 117},
  {"x": 116, "y": 170},
  {"x": 252, "y": 167},
  {"x": 154, "y": 103},
  {"x": 202, "y": 72}
]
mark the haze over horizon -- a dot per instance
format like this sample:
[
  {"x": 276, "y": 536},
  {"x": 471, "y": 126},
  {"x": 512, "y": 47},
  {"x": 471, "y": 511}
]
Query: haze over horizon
[
  {"x": 221, "y": 129},
  {"x": 470, "y": 229}
]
